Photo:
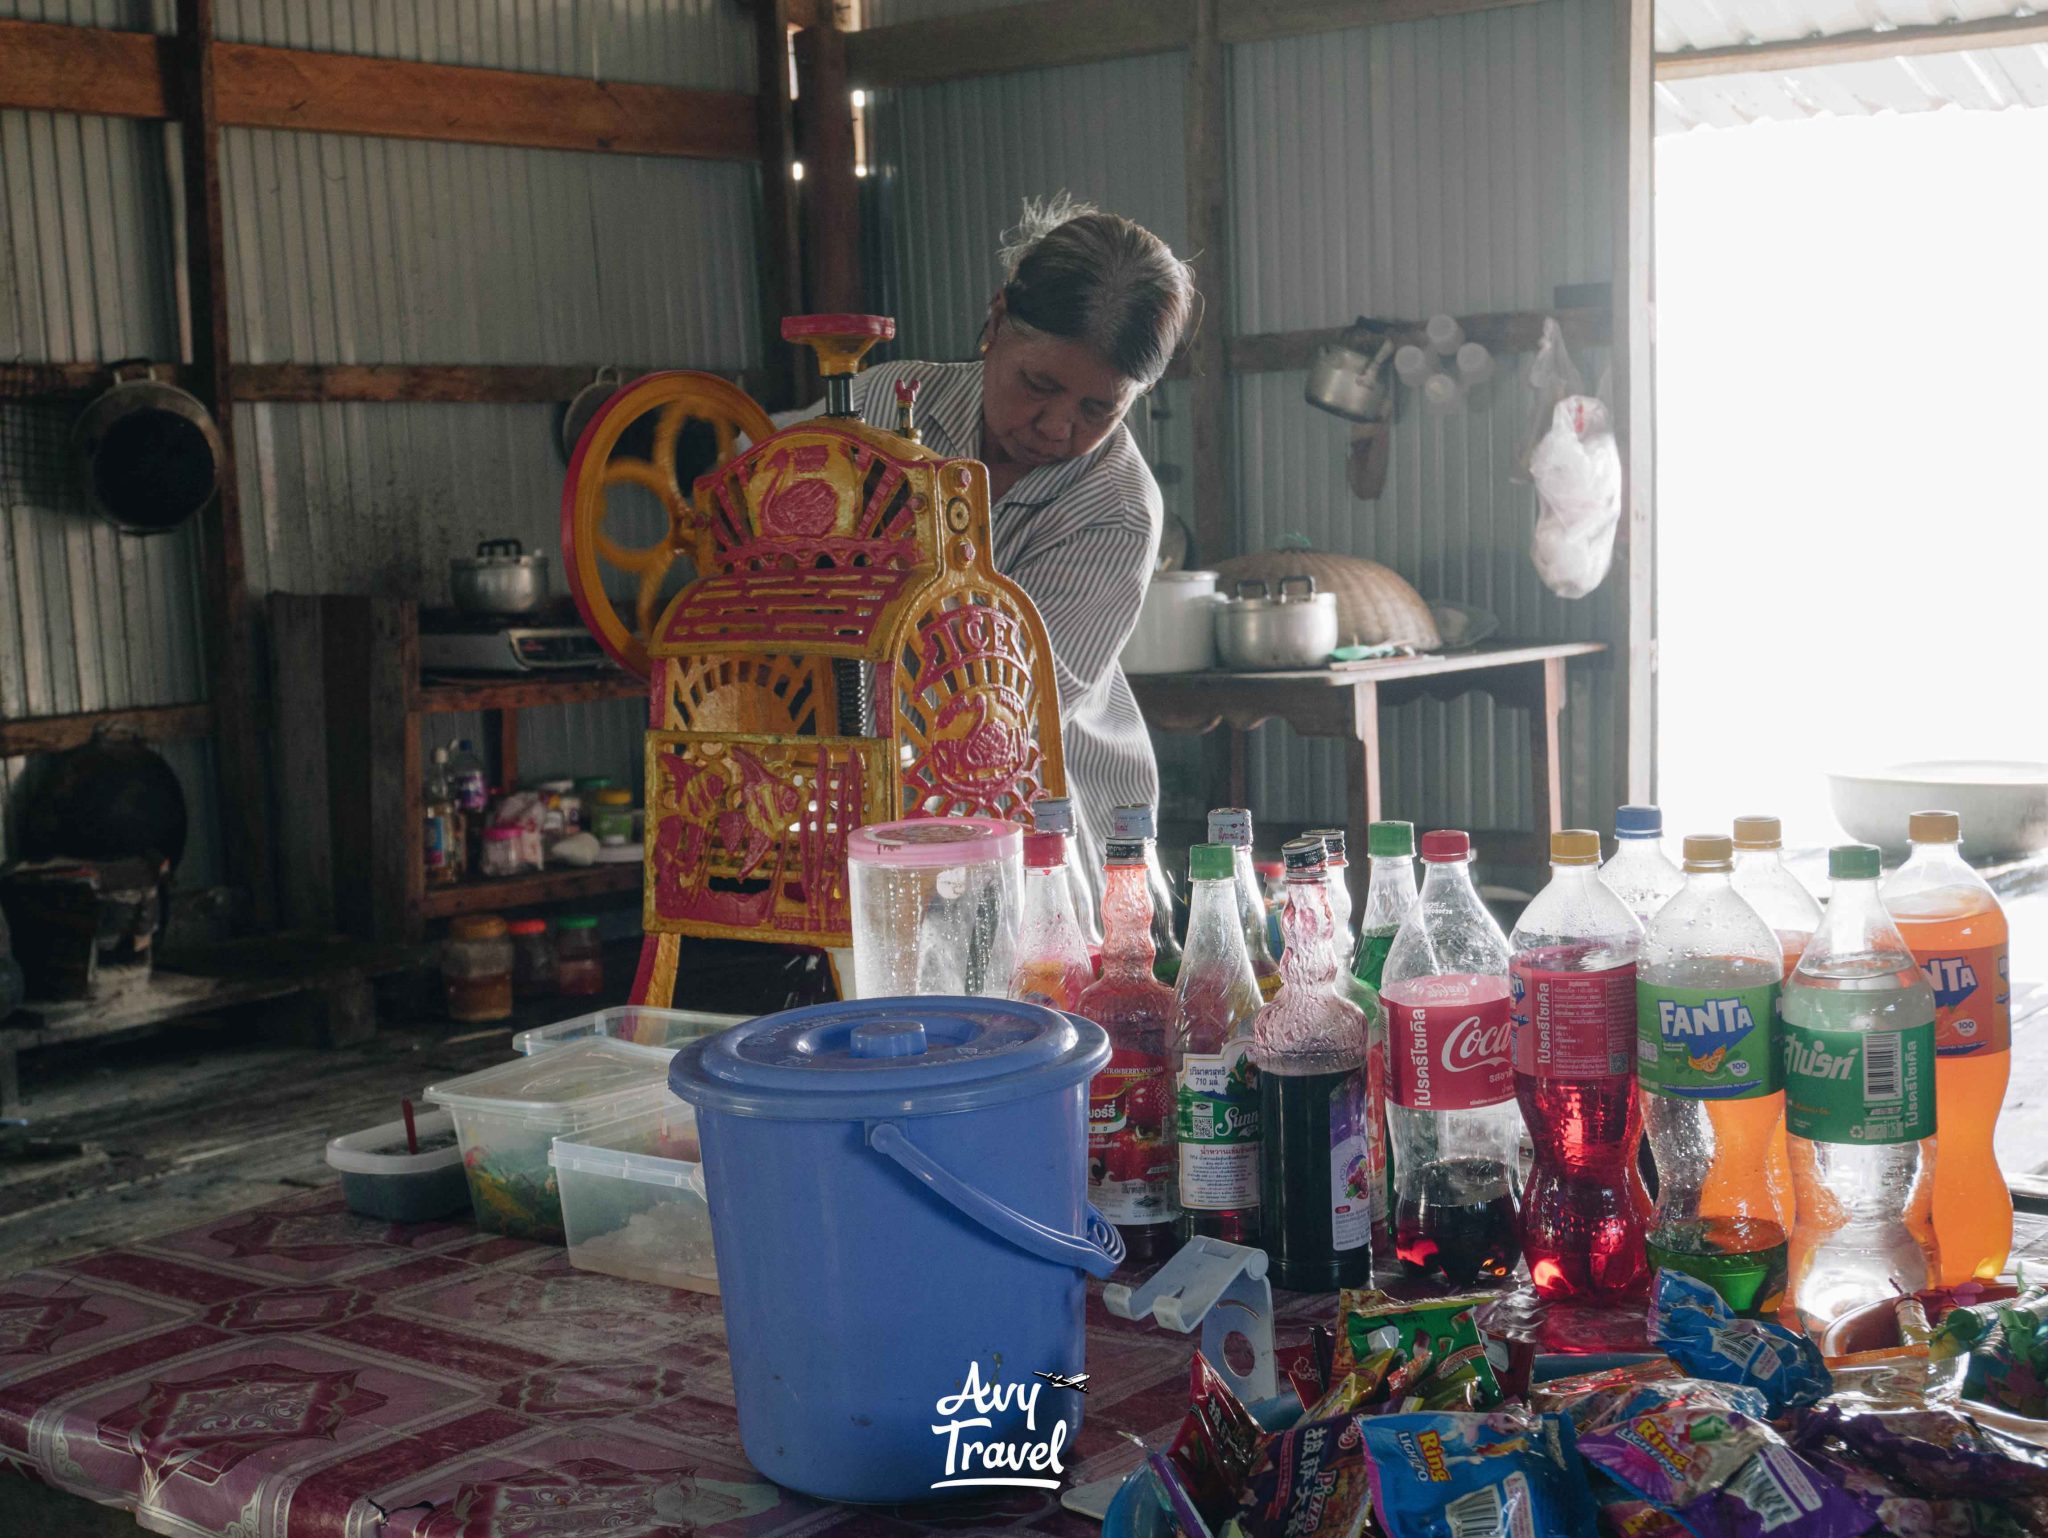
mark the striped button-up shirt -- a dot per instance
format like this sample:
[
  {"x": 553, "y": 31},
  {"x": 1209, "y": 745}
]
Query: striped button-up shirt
[{"x": 1080, "y": 537}]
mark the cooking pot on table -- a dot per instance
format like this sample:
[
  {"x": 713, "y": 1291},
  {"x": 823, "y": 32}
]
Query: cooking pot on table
[
  {"x": 1259, "y": 631},
  {"x": 149, "y": 454},
  {"x": 503, "y": 577},
  {"x": 1176, "y": 629},
  {"x": 898, "y": 1192}
]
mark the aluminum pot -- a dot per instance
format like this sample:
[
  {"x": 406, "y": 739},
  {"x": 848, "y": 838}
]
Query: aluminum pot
[
  {"x": 1258, "y": 631},
  {"x": 1176, "y": 629},
  {"x": 1351, "y": 379},
  {"x": 148, "y": 453},
  {"x": 503, "y": 577}
]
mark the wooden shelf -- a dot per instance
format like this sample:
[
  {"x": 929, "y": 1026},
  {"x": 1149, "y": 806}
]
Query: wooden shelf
[
  {"x": 523, "y": 690},
  {"x": 568, "y": 883}
]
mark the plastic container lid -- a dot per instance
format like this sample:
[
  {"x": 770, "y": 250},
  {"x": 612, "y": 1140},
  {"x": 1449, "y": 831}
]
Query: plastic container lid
[
  {"x": 1574, "y": 846},
  {"x": 1390, "y": 840},
  {"x": 1044, "y": 850},
  {"x": 595, "y": 782},
  {"x": 369, "y": 1152},
  {"x": 1447, "y": 846},
  {"x": 1212, "y": 862},
  {"x": 1934, "y": 827},
  {"x": 611, "y": 796},
  {"x": 1052, "y": 814},
  {"x": 477, "y": 926},
  {"x": 528, "y": 926},
  {"x": 1708, "y": 851},
  {"x": 1759, "y": 833},
  {"x": 887, "y": 1057},
  {"x": 1638, "y": 822},
  {"x": 620, "y": 1149},
  {"x": 577, "y": 921},
  {"x": 1853, "y": 862},
  {"x": 500, "y": 835},
  {"x": 1230, "y": 825},
  {"x": 639, "y": 1027},
  {"x": 929, "y": 841},
  {"x": 574, "y": 1086}
]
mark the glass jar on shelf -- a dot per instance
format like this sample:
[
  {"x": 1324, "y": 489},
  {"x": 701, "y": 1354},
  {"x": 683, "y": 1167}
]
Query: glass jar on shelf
[
  {"x": 612, "y": 818},
  {"x": 501, "y": 852},
  {"x": 533, "y": 959},
  {"x": 579, "y": 959},
  {"x": 476, "y": 968}
]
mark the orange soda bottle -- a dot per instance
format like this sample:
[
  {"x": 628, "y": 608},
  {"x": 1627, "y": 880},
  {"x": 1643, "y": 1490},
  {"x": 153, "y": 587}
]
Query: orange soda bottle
[
  {"x": 1957, "y": 933},
  {"x": 1783, "y": 902}
]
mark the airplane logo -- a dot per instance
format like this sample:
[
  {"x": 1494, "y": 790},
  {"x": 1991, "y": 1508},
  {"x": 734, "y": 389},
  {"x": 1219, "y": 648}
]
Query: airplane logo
[{"x": 1077, "y": 1382}]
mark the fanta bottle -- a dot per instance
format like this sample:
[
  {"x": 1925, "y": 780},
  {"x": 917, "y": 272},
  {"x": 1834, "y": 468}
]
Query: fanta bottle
[
  {"x": 1957, "y": 934},
  {"x": 1573, "y": 986}
]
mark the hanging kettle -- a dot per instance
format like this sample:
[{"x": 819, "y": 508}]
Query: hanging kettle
[{"x": 149, "y": 454}]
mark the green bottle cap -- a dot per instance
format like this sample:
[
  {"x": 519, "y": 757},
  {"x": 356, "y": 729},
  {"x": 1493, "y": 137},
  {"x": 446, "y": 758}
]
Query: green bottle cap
[
  {"x": 1853, "y": 862},
  {"x": 577, "y": 921},
  {"x": 1390, "y": 840},
  {"x": 1212, "y": 862}
]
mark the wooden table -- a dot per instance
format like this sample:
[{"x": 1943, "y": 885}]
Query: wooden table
[{"x": 1345, "y": 701}]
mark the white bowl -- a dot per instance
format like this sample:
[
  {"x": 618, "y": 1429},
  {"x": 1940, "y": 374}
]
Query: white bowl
[{"x": 2003, "y": 803}]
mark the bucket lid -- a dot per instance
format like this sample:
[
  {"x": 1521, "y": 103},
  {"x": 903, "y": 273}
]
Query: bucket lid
[
  {"x": 888, "y": 1057},
  {"x": 935, "y": 841}
]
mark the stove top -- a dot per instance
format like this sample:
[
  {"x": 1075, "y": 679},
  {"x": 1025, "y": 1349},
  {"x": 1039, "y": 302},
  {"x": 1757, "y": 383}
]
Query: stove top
[{"x": 548, "y": 641}]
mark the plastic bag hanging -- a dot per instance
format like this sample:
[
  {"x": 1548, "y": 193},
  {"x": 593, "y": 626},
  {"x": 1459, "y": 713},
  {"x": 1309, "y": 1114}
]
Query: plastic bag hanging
[
  {"x": 1551, "y": 377},
  {"x": 1577, "y": 470}
]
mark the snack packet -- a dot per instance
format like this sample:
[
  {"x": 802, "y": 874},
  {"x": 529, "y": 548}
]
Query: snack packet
[
  {"x": 1931, "y": 1471},
  {"x": 1218, "y": 1442},
  {"x": 1369, "y": 1321},
  {"x": 1310, "y": 1483},
  {"x": 1452, "y": 1475},
  {"x": 1366, "y": 1384},
  {"x": 1174, "y": 1497},
  {"x": 1695, "y": 1327},
  {"x": 2009, "y": 1364}
]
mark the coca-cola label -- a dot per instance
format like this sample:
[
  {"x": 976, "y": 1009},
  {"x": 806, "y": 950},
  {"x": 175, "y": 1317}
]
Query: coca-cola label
[
  {"x": 1452, "y": 1050},
  {"x": 1574, "y": 1025}
]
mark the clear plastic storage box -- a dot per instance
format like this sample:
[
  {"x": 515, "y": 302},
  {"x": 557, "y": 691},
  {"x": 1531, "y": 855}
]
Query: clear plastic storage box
[
  {"x": 506, "y": 1117},
  {"x": 631, "y": 1025},
  {"x": 633, "y": 1200}
]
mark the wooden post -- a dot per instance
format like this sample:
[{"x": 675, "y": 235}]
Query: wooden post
[
  {"x": 830, "y": 192},
  {"x": 1207, "y": 191},
  {"x": 781, "y": 254},
  {"x": 230, "y": 631},
  {"x": 1635, "y": 644}
]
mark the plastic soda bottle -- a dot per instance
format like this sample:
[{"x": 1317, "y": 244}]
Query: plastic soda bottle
[
  {"x": 1572, "y": 981},
  {"x": 1216, "y": 1086},
  {"x": 1232, "y": 825},
  {"x": 1452, "y": 1121},
  {"x": 1130, "y": 1160},
  {"x": 1052, "y": 953},
  {"x": 1315, "y": 1116},
  {"x": 1640, "y": 873},
  {"x": 1389, "y": 897},
  {"x": 1138, "y": 823},
  {"x": 1710, "y": 1063},
  {"x": 1859, "y": 1105},
  {"x": 1778, "y": 895},
  {"x": 1957, "y": 933},
  {"x": 1055, "y": 814}
]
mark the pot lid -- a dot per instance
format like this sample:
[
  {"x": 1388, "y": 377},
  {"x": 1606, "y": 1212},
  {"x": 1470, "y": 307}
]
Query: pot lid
[
  {"x": 499, "y": 552},
  {"x": 888, "y": 1057}
]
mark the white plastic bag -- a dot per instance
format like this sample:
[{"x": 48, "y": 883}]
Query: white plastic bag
[
  {"x": 1551, "y": 377},
  {"x": 1577, "y": 470}
]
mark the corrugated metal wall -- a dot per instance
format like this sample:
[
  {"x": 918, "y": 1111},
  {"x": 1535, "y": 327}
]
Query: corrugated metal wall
[
  {"x": 1458, "y": 164},
  {"x": 346, "y": 249}
]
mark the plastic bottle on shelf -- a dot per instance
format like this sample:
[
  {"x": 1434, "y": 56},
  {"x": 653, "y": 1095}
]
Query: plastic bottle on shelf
[
  {"x": 1130, "y": 1160},
  {"x": 1142, "y": 824},
  {"x": 1232, "y": 825},
  {"x": 1452, "y": 1121},
  {"x": 1052, "y": 966},
  {"x": 444, "y": 851},
  {"x": 1640, "y": 873},
  {"x": 1859, "y": 1105},
  {"x": 1055, "y": 814},
  {"x": 1573, "y": 985},
  {"x": 1710, "y": 1063},
  {"x": 1389, "y": 897},
  {"x": 466, "y": 778},
  {"x": 1957, "y": 933},
  {"x": 1315, "y": 1116},
  {"x": 1216, "y": 1095}
]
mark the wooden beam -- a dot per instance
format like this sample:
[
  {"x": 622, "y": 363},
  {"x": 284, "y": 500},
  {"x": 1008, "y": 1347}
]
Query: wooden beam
[
  {"x": 60, "y": 68},
  {"x": 1504, "y": 332},
  {"x": 830, "y": 194},
  {"x": 469, "y": 383},
  {"x": 1632, "y": 590},
  {"x": 54, "y": 734},
  {"x": 1854, "y": 47},
  {"x": 1208, "y": 216},
  {"x": 782, "y": 267}
]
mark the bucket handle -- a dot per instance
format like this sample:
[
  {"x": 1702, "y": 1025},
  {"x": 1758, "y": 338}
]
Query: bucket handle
[{"x": 1098, "y": 1251}]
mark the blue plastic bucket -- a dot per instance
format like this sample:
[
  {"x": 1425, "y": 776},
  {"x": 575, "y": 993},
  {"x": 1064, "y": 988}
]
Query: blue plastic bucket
[{"x": 898, "y": 1193}]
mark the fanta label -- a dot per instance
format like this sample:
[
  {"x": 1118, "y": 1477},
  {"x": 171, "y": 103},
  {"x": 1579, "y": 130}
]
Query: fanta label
[
  {"x": 1450, "y": 1053},
  {"x": 1972, "y": 999},
  {"x": 1708, "y": 1043}
]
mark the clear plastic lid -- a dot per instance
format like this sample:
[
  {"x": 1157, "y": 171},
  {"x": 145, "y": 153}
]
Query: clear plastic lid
[
  {"x": 590, "y": 1081},
  {"x": 644, "y": 1029},
  {"x": 926, "y": 841},
  {"x": 657, "y": 1147}
]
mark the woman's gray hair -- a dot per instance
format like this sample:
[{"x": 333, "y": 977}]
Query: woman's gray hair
[{"x": 1072, "y": 271}]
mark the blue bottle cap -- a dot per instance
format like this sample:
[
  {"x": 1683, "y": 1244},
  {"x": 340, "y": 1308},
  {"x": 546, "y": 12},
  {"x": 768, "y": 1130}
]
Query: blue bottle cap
[{"x": 1638, "y": 822}]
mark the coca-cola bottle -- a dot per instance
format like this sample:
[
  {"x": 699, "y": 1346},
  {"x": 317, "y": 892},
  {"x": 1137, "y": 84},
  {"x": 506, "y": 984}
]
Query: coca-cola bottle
[
  {"x": 1216, "y": 1095},
  {"x": 1573, "y": 983},
  {"x": 1232, "y": 825},
  {"x": 1452, "y": 1121},
  {"x": 1315, "y": 1113},
  {"x": 1130, "y": 1160},
  {"x": 1052, "y": 955}
]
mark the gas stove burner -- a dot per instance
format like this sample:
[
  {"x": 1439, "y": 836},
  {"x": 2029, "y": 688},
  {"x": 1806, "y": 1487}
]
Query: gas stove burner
[{"x": 454, "y": 642}]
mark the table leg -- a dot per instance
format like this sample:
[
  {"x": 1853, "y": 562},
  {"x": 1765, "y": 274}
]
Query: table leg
[
  {"x": 1362, "y": 779},
  {"x": 1545, "y": 761}
]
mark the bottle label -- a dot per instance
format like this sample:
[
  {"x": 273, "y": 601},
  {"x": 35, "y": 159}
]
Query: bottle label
[
  {"x": 1217, "y": 1123},
  {"x": 1574, "y": 1025},
  {"x": 1972, "y": 999},
  {"x": 1859, "y": 1086},
  {"x": 1130, "y": 1163},
  {"x": 1351, "y": 1174},
  {"x": 436, "y": 846},
  {"x": 1708, "y": 1043},
  {"x": 1453, "y": 1054}
]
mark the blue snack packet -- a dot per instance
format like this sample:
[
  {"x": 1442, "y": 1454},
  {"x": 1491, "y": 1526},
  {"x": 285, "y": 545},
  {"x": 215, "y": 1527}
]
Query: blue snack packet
[
  {"x": 1692, "y": 1325},
  {"x": 1452, "y": 1474}
]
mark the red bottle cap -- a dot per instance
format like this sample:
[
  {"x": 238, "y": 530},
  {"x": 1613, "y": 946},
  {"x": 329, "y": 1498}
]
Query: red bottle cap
[
  {"x": 1447, "y": 846},
  {"x": 1045, "y": 851}
]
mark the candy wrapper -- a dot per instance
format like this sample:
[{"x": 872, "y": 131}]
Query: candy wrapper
[
  {"x": 2009, "y": 1361},
  {"x": 1218, "y": 1442},
  {"x": 1366, "y": 1384},
  {"x": 1441, "y": 1329},
  {"x": 1629, "y": 1392},
  {"x": 1310, "y": 1483},
  {"x": 1457, "y": 1475},
  {"x": 1928, "y": 1473},
  {"x": 1692, "y": 1324}
]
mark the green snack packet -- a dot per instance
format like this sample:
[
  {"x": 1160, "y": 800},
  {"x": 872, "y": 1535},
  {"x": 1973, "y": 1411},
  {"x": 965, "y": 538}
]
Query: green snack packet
[{"x": 1369, "y": 1320}]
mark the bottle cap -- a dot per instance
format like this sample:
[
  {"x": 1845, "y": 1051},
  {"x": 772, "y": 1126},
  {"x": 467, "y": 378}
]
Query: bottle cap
[
  {"x": 1333, "y": 842},
  {"x": 1447, "y": 846},
  {"x": 1132, "y": 822},
  {"x": 1230, "y": 825},
  {"x": 1123, "y": 851},
  {"x": 1934, "y": 828},
  {"x": 1305, "y": 856},
  {"x": 477, "y": 926},
  {"x": 1708, "y": 851},
  {"x": 500, "y": 835},
  {"x": 1575, "y": 846},
  {"x": 1269, "y": 868},
  {"x": 1759, "y": 833},
  {"x": 528, "y": 926},
  {"x": 1052, "y": 814},
  {"x": 1853, "y": 862},
  {"x": 1044, "y": 850},
  {"x": 1638, "y": 822},
  {"x": 1390, "y": 840},
  {"x": 1212, "y": 862}
]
